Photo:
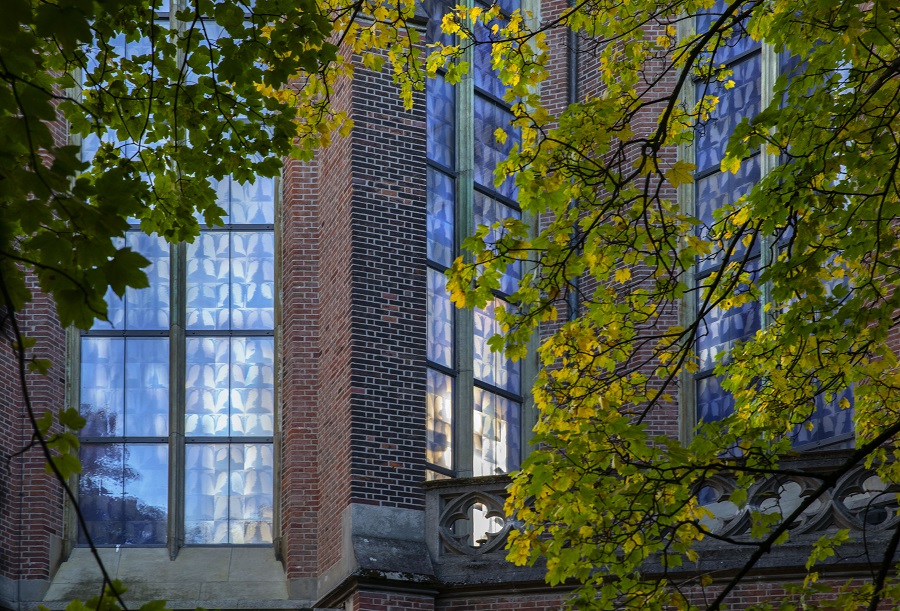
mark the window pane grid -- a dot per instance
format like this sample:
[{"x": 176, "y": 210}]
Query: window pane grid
[
  {"x": 228, "y": 398},
  {"x": 228, "y": 493},
  {"x": 719, "y": 330},
  {"x": 481, "y": 397}
]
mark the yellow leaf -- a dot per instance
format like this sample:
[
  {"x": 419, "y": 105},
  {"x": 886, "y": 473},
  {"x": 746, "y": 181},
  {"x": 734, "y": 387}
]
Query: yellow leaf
[
  {"x": 500, "y": 135},
  {"x": 449, "y": 25},
  {"x": 730, "y": 164},
  {"x": 680, "y": 173},
  {"x": 623, "y": 274}
]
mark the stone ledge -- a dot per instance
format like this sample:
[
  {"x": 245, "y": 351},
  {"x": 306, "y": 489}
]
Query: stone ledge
[{"x": 211, "y": 577}]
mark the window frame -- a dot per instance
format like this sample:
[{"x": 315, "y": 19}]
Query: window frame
[
  {"x": 177, "y": 334},
  {"x": 686, "y": 194},
  {"x": 462, "y": 372}
]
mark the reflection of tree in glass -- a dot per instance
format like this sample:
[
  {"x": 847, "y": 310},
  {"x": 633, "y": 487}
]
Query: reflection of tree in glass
[{"x": 109, "y": 493}]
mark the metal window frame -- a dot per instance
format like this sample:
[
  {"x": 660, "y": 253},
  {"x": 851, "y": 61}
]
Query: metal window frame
[{"x": 464, "y": 381}]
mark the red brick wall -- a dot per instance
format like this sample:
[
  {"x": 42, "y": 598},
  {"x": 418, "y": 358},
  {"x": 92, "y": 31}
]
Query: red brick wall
[
  {"x": 664, "y": 417},
  {"x": 335, "y": 289},
  {"x": 300, "y": 307},
  {"x": 31, "y": 501},
  {"x": 354, "y": 323},
  {"x": 505, "y": 602},
  {"x": 391, "y": 601},
  {"x": 31, "y": 520},
  {"x": 388, "y": 307}
]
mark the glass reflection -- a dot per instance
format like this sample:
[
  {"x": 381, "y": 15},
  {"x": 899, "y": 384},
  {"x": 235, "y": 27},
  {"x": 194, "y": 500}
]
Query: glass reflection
[
  {"x": 228, "y": 493},
  {"x": 493, "y": 367},
  {"x": 441, "y": 211},
  {"x": 486, "y": 77},
  {"x": 439, "y": 419},
  {"x": 231, "y": 281},
  {"x": 719, "y": 330},
  {"x": 146, "y": 387},
  {"x": 149, "y": 308},
  {"x": 439, "y": 345},
  {"x": 497, "y": 444},
  {"x": 743, "y": 100},
  {"x": 713, "y": 402},
  {"x": 252, "y": 280},
  {"x": 125, "y": 386},
  {"x": 441, "y": 114},
  {"x": 208, "y": 275},
  {"x": 123, "y": 493},
  {"x": 230, "y": 386},
  {"x": 142, "y": 309},
  {"x": 488, "y": 117},
  {"x": 488, "y": 211},
  {"x": 103, "y": 386}
]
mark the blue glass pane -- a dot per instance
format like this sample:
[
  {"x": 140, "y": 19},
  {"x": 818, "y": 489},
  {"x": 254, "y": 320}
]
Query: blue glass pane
[
  {"x": 148, "y": 309},
  {"x": 251, "y": 504},
  {"x": 146, "y": 493},
  {"x": 497, "y": 440},
  {"x": 207, "y": 385},
  {"x": 743, "y": 100},
  {"x": 253, "y": 280},
  {"x": 441, "y": 113},
  {"x": 725, "y": 49},
  {"x": 439, "y": 345},
  {"x": 493, "y": 367},
  {"x": 206, "y": 493},
  {"x": 509, "y": 6},
  {"x": 103, "y": 386},
  {"x": 789, "y": 64},
  {"x": 230, "y": 386},
  {"x": 441, "y": 207},
  {"x": 253, "y": 203},
  {"x": 713, "y": 402},
  {"x": 828, "y": 420},
  {"x": 208, "y": 281},
  {"x": 146, "y": 387},
  {"x": 715, "y": 191},
  {"x": 228, "y": 493},
  {"x": 100, "y": 490},
  {"x": 488, "y": 151},
  {"x": 488, "y": 211},
  {"x": 207, "y": 33},
  {"x": 223, "y": 195},
  {"x": 486, "y": 77},
  {"x": 116, "y": 46},
  {"x": 436, "y": 10},
  {"x": 439, "y": 419},
  {"x": 123, "y": 493},
  {"x": 252, "y": 385},
  {"x": 719, "y": 330}
]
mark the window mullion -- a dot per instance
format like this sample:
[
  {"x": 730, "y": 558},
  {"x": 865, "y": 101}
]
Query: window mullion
[
  {"x": 177, "y": 369},
  {"x": 73, "y": 399},
  {"x": 463, "y": 401},
  {"x": 688, "y": 309},
  {"x": 768, "y": 162}
]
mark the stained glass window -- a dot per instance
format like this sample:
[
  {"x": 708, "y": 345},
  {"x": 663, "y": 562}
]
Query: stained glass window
[
  {"x": 470, "y": 389},
  {"x": 719, "y": 329}
]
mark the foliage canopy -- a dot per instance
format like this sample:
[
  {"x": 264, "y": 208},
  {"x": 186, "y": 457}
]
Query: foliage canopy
[
  {"x": 608, "y": 495},
  {"x": 605, "y": 493}
]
